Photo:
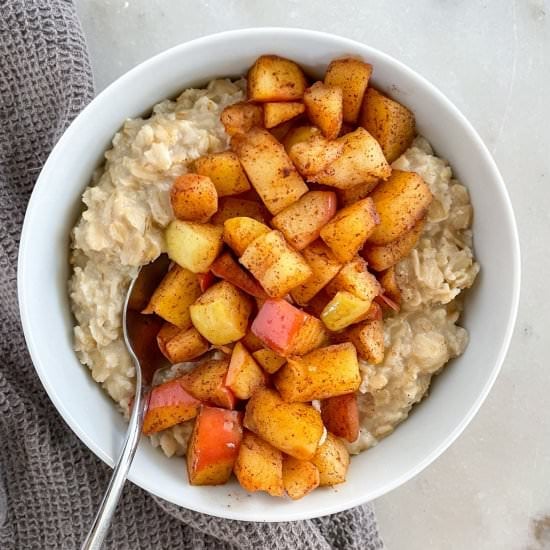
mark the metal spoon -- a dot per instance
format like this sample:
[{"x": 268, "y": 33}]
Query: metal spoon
[{"x": 139, "y": 335}]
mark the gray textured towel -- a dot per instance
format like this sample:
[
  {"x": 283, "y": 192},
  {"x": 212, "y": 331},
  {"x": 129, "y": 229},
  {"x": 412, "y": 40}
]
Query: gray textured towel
[{"x": 50, "y": 484}]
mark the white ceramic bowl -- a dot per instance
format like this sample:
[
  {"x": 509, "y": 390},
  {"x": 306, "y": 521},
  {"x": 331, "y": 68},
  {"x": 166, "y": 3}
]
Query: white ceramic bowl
[{"x": 43, "y": 272}]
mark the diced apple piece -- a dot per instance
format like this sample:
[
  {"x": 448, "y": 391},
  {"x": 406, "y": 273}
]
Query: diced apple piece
[
  {"x": 193, "y": 245},
  {"x": 287, "y": 330},
  {"x": 324, "y": 267},
  {"x": 340, "y": 415},
  {"x": 348, "y": 230},
  {"x": 269, "y": 360},
  {"x": 172, "y": 298},
  {"x": 322, "y": 373},
  {"x": 277, "y": 325},
  {"x": 181, "y": 345},
  {"x": 244, "y": 375},
  {"x": 221, "y": 313},
  {"x": 206, "y": 382},
  {"x": 300, "y": 477},
  {"x": 374, "y": 312},
  {"x": 214, "y": 446},
  {"x": 391, "y": 123},
  {"x": 368, "y": 338},
  {"x": 312, "y": 156},
  {"x": 239, "y": 232},
  {"x": 269, "y": 169},
  {"x": 294, "y": 428},
  {"x": 259, "y": 466},
  {"x": 225, "y": 171},
  {"x": 385, "y": 256},
  {"x": 169, "y": 404},
  {"x": 332, "y": 461},
  {"x": 193, "y": 198},
  {"x": 277, "y": 113},
  {"x": 352, "y": 76},
  {"x": 275, "y": 264},
  {"x": 274, "y": 78},
  {"x": 301, "y": 222},
  {"x": 361, "y": 161},
  {"x": 343, "y": 310},
  {"x": 241, "y": 117},
  {"x": 324, "y": 105},
  {"x": 401, "y": 202},
  {"x": 225, "y": 267}
]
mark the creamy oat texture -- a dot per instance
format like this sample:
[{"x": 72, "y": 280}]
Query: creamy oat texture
[
  {"x": 127, "y": 207},
  {"x": 423, "y": 336}
]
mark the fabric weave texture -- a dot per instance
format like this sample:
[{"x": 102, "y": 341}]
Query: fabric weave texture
[{"x": 50, "y": 483}]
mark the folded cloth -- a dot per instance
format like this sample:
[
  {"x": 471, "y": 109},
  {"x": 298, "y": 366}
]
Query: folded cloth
[{"x": 50, "y": 483}]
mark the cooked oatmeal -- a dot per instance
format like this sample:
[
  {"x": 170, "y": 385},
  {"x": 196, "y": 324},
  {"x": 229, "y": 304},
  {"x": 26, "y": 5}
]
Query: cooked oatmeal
[
  {"x": 423, "y": 336},
  {"x": 128, "y": 206}
]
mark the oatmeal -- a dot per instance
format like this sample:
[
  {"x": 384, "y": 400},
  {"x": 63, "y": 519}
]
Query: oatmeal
[{"x": 423, "y": 336}]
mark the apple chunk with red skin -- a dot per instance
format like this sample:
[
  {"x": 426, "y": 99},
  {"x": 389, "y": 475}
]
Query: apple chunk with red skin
[
  {"x": 214, "y": 446},
  {"x": 341, "y": 416},
  {"x": 286, "y": 329},
  {"x": 169, "y": 404}
]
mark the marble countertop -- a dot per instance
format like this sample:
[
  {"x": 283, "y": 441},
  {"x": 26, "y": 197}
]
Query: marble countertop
[{"x": 491, "y": 489}]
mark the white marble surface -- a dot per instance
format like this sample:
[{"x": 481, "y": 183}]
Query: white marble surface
[{"x": 491, "y": 490}]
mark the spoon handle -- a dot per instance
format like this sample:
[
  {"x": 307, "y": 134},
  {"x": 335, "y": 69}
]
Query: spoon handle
[{"x": 102, "y": 521}]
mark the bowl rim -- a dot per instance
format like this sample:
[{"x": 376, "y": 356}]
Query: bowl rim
[{"x": 244, "y": 33}]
